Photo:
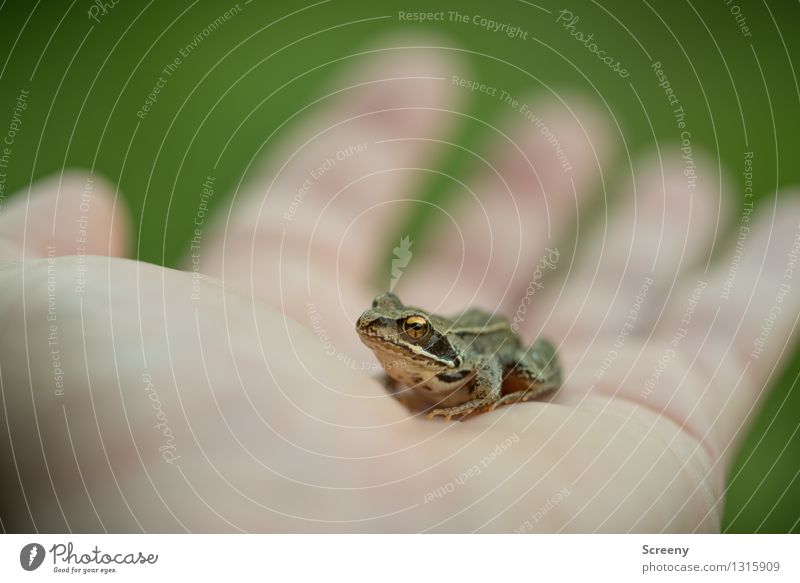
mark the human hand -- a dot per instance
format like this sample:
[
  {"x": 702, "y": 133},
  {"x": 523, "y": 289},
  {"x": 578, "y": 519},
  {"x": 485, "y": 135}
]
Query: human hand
[{"x": 166, "y": 401}]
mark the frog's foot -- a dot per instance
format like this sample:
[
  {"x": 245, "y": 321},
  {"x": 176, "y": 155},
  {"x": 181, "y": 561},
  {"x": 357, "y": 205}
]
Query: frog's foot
[
  {"x": 462, "y": 410},
  {"x": 520, "y": 396}
]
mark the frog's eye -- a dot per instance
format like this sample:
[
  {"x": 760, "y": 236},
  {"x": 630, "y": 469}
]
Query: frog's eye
[{"x": 416, "y": 327}]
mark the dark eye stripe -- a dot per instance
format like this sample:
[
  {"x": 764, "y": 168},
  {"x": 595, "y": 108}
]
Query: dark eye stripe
[{"x": 439, "y": 346}]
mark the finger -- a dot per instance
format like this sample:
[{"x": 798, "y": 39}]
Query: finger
[
  {"x": 545, "y": 160},
  {"x": 628, "y": 265},
  {"x": 717, "y": 345},
  {"x": 309, "y": 228},
  {"x": 73, "y": 213},
  {"x": 734, "y": 325}
]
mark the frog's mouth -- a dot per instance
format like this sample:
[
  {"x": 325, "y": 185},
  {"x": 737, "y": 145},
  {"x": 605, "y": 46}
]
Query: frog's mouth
[
  {"x": 381, "y": 344},
  {"x": 388, "y": 350}
]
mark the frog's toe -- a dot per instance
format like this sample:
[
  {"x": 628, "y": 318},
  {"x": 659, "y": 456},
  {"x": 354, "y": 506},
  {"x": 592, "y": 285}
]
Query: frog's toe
[{"x": 446, "y": 413}]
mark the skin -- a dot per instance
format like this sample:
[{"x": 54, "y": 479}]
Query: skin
[
  {"x": 276, "y": 431},
  {"x": 470, "y": 363}
]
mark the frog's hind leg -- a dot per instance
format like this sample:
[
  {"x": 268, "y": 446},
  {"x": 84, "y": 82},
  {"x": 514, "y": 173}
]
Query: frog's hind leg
[
  {"x": 523, "y": 395},
  {"x": 535, "y": 372}
]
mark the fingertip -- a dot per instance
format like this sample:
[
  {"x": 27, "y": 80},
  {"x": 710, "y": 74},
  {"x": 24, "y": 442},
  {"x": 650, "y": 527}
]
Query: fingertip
[
  {"x": 682, "y": 195},
  {"x": 71, "y": 213},
  {"x": 775, "y": 233},
  {"x": 547, "y": 143},
  {"x": 400, "y": 74}
]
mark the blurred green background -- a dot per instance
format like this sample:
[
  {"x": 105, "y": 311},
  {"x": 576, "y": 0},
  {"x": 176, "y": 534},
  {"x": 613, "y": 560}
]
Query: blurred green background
[{"x": 88, "y": 78}]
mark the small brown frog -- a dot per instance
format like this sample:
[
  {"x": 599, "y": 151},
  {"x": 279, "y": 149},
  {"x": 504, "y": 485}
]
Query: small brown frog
[{"x": 472, "y": 362}]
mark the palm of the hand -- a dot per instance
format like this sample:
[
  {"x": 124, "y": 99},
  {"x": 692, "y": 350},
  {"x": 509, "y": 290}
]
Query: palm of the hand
[{"x": 239, "y": 401}]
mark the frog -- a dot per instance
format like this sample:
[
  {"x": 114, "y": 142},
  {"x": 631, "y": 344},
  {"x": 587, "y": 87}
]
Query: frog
[{"x": 454, "y": 367}]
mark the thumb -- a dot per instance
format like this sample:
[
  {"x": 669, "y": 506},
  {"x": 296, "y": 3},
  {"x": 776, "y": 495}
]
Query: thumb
[{"x": 72, "y": 213}]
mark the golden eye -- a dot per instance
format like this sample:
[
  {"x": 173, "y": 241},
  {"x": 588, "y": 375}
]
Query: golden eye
[{"x": 415, "y": 327}]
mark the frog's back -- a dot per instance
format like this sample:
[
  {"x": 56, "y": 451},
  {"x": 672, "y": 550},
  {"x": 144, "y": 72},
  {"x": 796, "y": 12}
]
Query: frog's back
[
  {"x": 484, "y": 333},
  {"x": 477, "y": 318}
]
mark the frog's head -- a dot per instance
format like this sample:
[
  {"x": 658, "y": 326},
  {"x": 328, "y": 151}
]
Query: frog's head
[{"x": 400, "y": 335}]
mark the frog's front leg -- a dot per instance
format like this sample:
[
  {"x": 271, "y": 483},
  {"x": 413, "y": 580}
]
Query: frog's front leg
[
  {"x": 408, "y": 397},
  {"x": 486, "y": 391}
]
